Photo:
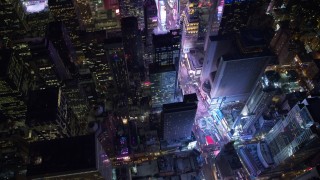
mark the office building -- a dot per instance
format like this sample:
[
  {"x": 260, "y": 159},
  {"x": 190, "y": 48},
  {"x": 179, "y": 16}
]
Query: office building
[
  {"x": 44, "y": 67},
  {"x": 13, "y": 109},
  {"x": 13, "y": 130},
  {"x": 38, "y": 22},
  {"x": 217, "y": 46},
  {"x": 256, "y": 105},
  {"x": 133, "y": 49},
  {"x": 95, "y": 60},
  {"x": 150, "y": 16},
  {"x": 105, "y": 15},
  {"x": 214, "y": 20},
  {"x": 190, "y": 25},
  {"x": 235, "y": 16},
  {"x": 43, "y": 52},
  {"x": 132, "y": 9},
  {"x": 236, "y": 77},
  {"x": 167, "y": 48},
  {"x": 12, "y": 105},
  {"x": 39, "y": 71},
  {"x": 106, "y": 134},
  {"x": 256, "y": 158},
  {"x": 65, "y": 12},
  {"x": 69, "y": 158},
  {"x": 120, "y": 74},
  {"x": 275, "y": 80},
  {"x": 239, "y": 71},
  {"x": 178, "y": 118},
  {"x": 150, "y": 23},
  {"x": 194, "y": 63},
  {"x": 87, "y": 87},
  {"x": 293, "y": 135},
  {"x": 228, "y": 17},
  {"x": 118, "y": 63},
  {"x": 163, "y": 85},
  {"x": 11, "y": 23},
  {"x": 228, "y": 164},
  {"x": 57, "y": 33},
  {"x": 77, "y": 104},
  {"x": 284, "y": 13},
  {"x": 204, "y": 9},
  {"x": 289, "y": 145},
  {"x": 123, "y": 173},
  {"x": 238, "y": 15},
  {"x": 47, "y": 114},
  {"x": 22, "y": 76},
  {"x": 280, "y": 44},
  {"x": 84, "y": 13},
  {"x": 132, "y": 42}
]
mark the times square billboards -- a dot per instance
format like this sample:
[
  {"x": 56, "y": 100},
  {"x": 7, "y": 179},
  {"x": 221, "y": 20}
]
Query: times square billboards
[{"x": 168, "y": 16}]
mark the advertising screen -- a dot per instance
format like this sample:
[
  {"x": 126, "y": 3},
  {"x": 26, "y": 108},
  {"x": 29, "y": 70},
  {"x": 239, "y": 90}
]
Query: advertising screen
[{"x": 168, "y": 15}]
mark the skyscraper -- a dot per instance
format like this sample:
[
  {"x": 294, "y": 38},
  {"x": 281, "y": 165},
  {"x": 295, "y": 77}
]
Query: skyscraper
[
  {"x": 132, "y": 8},
  {"x": 21, "y": 74},
  {"x": 289, "y": 144},
  {"x": 297, "y": 135},
  {"x": 46, "y": 63},
  {"x": 280, "y": 45},
  {"x": 237, "y": 14},
  {"x": 256, "y": 104},
  {"x": 228, "y": 163},
  {"x": 150, "y": 23},
  {"x": 37, "y": 22},
  {"x": 167, "y": 48},
  {"x": 190, "y": 25},
  {"x": 76, "y": 157},
  {"x": 64, "y": 11},
  {"x": 118, "y": 62},
  {"x": 12, "y": 105},
  {"x": 106, "y": 135},
  {"x": 163, "y": 85},
  {"x": 217, "y": 46},
  {"x": 47, "y": 114},
  {"x": 97, "y": 63},
  {"x": 178, "y": 118},
  {"x": 58, "y": 34},
  {"x": 132, "y": 42},
  {"x": 77, "y": 103},
  {"x": 150, "y": 16},
  {"x": 105, "y": 16},
  {"x": 235, "y": 76},
  {"x": 230, "y": 16},
  {"x": 11, "y": 24}
]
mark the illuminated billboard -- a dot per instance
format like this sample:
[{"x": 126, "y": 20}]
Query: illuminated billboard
[
  {"x": 168, "y": 15},
  {"x": 209, "y": 140},
  {"x": 35, "y": 6}
]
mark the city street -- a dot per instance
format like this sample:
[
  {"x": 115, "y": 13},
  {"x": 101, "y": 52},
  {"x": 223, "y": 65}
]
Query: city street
[{"x": 204, "y": 124}]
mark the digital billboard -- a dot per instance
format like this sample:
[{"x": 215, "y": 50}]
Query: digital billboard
[{"x": 168, "y": 15}]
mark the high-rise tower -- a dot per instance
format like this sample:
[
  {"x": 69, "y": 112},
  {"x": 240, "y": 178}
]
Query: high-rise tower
[{"x": 178, "y": 118}]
